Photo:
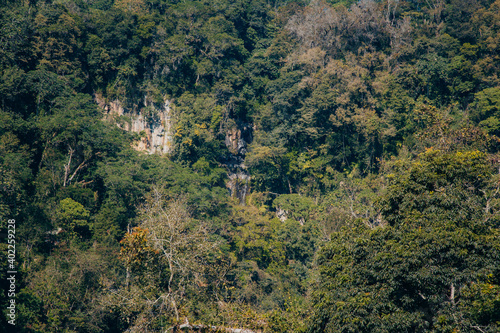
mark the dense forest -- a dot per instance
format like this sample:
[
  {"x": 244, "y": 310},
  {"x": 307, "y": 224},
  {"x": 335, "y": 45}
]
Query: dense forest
[{"x": 323, "y": 166}]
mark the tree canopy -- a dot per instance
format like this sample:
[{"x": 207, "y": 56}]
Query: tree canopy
[{"x": 328, "y": 166}]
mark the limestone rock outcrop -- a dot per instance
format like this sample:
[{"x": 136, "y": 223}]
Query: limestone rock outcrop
[{"x": 152, "y": 121}]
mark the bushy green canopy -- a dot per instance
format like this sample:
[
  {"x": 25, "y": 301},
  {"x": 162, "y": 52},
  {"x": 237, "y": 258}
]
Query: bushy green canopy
[{"x": 435, "y": 265}]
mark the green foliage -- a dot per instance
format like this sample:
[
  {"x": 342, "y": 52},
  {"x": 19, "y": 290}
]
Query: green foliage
[
  {"x": 373, "y": 125},
  {"x": 255, "y": 238},
  {"x": 418, "y": 273},
  {"x": 407, "y": 279},
  {"x": 297, "y": 206},
  {"x": 15, "y": 170},
  {"x": 447, "y": 188},
  {"x": 486, "y": 109},
  {"x": 67, "y": 287},
  {"x": 72, "y": 217}
]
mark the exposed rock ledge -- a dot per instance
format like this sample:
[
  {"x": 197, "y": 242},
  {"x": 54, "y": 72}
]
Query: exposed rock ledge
[
  {"x": 156, "y": 125},
  {"x": 237, "y": 139}
]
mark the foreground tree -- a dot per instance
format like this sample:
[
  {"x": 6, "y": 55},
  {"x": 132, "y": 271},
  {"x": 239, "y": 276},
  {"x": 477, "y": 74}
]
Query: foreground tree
[
  {"x": 434, "y": 267},
  {"x": 169, "y": 258}
]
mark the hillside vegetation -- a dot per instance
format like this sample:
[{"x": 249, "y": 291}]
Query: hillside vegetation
[{"x": 334, "y": 165}]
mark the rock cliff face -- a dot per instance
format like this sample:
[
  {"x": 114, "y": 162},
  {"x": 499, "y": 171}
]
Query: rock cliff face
[
  {"x": 237, "y": 139},
  {"x": 153, "y": 121},
  {"x": 155, "y": 124}
]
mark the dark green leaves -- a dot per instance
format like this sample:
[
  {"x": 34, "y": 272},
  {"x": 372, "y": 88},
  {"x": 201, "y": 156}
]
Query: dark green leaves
[{"x": 439, "y": 254}]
